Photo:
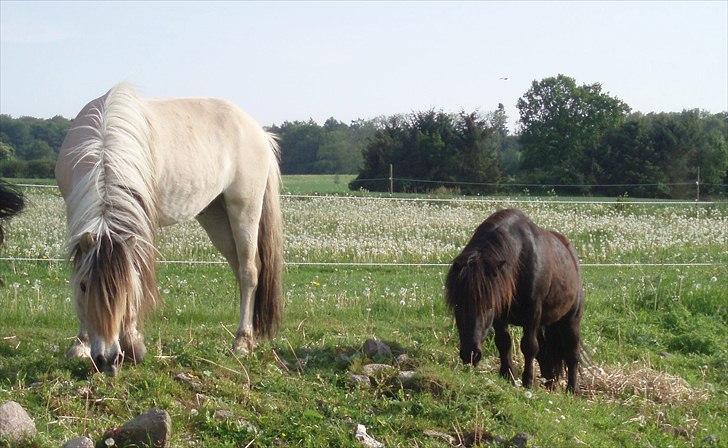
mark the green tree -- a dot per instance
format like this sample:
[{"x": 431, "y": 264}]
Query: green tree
[
  {"x": 560, "y": 121},
  {"x": 6, "y": 151}
]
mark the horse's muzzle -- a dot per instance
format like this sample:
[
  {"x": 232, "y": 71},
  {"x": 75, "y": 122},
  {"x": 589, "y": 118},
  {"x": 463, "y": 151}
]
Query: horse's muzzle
[
  {"x": 471, "y": 356},
  {"x": 109, "y": 366}
]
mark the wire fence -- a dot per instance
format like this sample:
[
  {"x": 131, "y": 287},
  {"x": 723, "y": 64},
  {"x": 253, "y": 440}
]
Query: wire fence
[
  {"x": 483, "y": 200},
  {"x": 476, "y": 199},
  {"x": 368, "y": 264}
]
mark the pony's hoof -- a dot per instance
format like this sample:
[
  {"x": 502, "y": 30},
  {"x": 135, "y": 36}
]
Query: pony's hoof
[
  {"x": 135, "y": 352},
  {"x": 244, "y": 345},
  {"x": 78, "y": 350}
]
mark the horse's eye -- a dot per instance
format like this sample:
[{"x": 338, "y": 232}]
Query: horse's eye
[{"x": 83, "y": 287}]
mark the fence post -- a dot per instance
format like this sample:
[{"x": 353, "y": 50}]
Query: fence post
[
  {"x": 391, "y": 179},
  {"x": 697, "y": 187}
]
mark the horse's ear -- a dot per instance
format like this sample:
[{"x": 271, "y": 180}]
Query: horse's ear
[
  {"x": 131, "y": 240},
  {"x": 87, "y": 241}
]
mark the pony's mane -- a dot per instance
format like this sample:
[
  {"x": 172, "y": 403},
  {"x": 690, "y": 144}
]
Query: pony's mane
[
  {"x": 112, "y": 212},
  {"x": 483, "y": 276}
]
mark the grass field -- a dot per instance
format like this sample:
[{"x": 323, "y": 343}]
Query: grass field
[{"x": 659, "y": 334}]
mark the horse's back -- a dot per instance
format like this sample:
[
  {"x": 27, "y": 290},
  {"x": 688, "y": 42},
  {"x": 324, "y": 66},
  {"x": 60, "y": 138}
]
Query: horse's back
[{"x": 202, "y": 146}]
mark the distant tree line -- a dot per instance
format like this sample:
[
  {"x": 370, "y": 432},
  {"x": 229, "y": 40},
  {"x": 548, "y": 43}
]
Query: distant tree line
[
  {"x": 572, "y": 139},
  {"x": 29, "y": 146}
]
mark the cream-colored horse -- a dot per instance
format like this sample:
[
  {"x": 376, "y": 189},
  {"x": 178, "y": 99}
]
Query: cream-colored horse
[{"x": 131, "y": 165}]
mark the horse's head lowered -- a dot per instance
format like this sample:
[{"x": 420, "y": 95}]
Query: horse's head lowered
[
  {"x": 477, "y": 289},
  {"x": 110, "y": 283}
]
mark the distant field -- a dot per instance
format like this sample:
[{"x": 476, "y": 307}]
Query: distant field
[{"x": 659, "y": 332}]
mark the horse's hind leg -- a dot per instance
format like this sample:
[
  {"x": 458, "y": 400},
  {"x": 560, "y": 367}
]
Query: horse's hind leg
[
  {"x": 504, "y": 346},
  {"x": 244, "y": 216},
  {"x": 571, "y": 337},
  {"x": 548, "y": 346},
  {"x": 214, "y": 219}
]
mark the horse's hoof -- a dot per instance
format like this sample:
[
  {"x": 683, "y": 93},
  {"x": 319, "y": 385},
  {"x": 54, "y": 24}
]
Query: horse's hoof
[
  {"x": 78, "y": 350},
  {"x": 244, "y": 345},
  {"x": 135, "y": 352}
]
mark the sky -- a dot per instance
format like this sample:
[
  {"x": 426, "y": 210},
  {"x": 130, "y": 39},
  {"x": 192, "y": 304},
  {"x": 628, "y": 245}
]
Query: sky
[{"x": 294, "y": 61}]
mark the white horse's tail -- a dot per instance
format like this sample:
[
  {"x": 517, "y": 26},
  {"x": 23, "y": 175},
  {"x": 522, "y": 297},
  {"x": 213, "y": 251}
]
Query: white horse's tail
[
  {"x": 268, "y": 301},
  {"x": 112, "y": 211}
]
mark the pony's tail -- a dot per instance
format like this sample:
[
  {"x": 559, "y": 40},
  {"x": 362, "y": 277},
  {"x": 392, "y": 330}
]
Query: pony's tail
[{"x": 268, "y": 296}]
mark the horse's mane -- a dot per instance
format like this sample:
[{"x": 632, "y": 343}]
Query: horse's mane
[
  {"x": 112, "y": 212},
  {"x": 483, "y": 276},
  {"x": 11, "y": 202}
]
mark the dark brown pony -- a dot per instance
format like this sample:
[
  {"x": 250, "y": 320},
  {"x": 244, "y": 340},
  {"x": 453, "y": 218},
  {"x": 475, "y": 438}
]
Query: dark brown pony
[
  {"x": 513, "y": 272},
  {"x": 11, "y": 202}
]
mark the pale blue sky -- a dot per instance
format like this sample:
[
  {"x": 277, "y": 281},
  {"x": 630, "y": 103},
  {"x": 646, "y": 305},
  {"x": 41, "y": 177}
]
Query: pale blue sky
[{"x": 287, "y": 61}]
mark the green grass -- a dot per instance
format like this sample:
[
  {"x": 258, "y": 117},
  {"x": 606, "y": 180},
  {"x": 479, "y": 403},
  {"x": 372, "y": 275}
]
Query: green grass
[
  {"x": 332, "y": 311},
  {"x": 665, "y": 320}
]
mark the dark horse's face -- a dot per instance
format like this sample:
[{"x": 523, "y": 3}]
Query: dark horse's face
[{"x": 472, "y": 328}]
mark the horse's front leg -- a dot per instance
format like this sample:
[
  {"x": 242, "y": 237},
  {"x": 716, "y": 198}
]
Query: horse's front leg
[
  {"x": 79, "y": 348},
  {"x": 529, "y": 347},
  {"x": 132, "y": 341},
  {"x": 503, "y": 344}
]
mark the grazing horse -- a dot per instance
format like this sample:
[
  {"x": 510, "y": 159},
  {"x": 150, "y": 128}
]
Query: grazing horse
[
  {"x": 129, "y": 166},
  {"x": 513, "y": 272},
  {"x": 11, "y": 202}
]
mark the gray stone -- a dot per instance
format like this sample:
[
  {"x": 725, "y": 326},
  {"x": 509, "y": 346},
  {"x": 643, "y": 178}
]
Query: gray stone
[
  {"x": 520, "y": 440},
  {"x": 365, "y": 439},
  {"x": 189, "y": 380},
  {"x": 710, "y": 440},
  {"x": 374, "y": 369},
  {"x": 406, "y": 376},
  {"x": 374, "y": 348},
  {"x": 360, "y": 380},
  {"x": 222, "y": 414},
  {"x": 151, "y": 429},
  {"x": 15, "y": 424},
  {"x": 79, "y": 442},
  {"x": 441, "y": 435},
  {"x": 403, "y": 359}
]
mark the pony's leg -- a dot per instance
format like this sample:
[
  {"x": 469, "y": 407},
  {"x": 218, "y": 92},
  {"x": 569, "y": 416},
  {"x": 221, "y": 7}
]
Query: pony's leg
[
  {"x": 529, "y": 347},
  {"x": 572, "y": 341},
  {"x": 214, "y": 219},
  {"x": 80, "y": 347},
  {"x": 244, "y": 218},
  {"x": 504, "y": 346},
  {"x": 132, "y": 341},
  {"x": 545, "y": 355}
]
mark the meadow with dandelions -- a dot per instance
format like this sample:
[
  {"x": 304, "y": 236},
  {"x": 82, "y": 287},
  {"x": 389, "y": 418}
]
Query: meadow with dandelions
[{"x": 657, "y": 336}]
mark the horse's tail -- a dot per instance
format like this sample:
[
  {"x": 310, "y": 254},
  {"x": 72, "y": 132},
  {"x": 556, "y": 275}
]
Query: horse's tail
[
  {"x": 268, "y": 296},
  {"x": 483, "y": 278}
]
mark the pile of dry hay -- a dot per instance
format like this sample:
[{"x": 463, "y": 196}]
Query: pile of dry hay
[{"x": 624, "y": 380}]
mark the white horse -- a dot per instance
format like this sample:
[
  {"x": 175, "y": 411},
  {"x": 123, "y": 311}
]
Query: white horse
[{"x": 131, "y": 165}]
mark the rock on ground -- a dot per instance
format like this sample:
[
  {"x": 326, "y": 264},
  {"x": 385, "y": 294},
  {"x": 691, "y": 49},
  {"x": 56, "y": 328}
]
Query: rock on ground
[
  {"x": 151, "y": 429},
  {"x": 520, "y": 440},
  {"x": 375, "y": 348},
  {"x": 15, "y": 424},
  {"x": 373, "y": 369},
  {"x": 365, "y": 439},
  {"x": 360, "y": 380},
  {"x": 79, "y": 442}
]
